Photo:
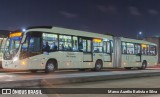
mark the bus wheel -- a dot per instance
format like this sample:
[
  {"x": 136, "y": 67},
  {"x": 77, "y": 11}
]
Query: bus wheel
[
  {"x": 144, "y": 65},
  {"x": 50, "y": 66},
  {"x": 98, "y": 65}
]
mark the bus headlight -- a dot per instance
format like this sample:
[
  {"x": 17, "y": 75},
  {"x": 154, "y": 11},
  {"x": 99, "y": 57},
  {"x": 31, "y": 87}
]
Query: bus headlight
[
  {"x": 23, "y": 62},
  {"x": 15, "y": 59}
]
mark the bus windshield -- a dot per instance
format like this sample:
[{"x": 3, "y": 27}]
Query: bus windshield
[{"x": 11, "y": 47}]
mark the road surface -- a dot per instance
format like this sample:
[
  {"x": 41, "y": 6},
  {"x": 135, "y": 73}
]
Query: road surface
[
  {"x": 13, "y": 76},
  {"x": 145, "y": 82}
]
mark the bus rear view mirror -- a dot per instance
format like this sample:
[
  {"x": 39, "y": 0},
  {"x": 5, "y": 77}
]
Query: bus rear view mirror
[{"x": 23, "y": 39}]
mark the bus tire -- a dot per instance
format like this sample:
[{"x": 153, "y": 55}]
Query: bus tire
[
  {"x": 98, "y": 65},
  {"x": 50, "y": 66},
  {"x": 144, "y": 65}
]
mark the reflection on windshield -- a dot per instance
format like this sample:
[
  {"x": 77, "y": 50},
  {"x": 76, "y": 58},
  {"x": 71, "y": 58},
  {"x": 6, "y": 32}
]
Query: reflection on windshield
[{"x": 11, "y": 47}]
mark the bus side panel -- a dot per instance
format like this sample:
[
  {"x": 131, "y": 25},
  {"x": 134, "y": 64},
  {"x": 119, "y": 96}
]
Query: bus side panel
[
  {"x": 36, "y": 62},
  {"x": 151, "y": 60},
  {"x": 124, "y": 62},
  {"x": 96, "y": 56},
  {"x": 68, "y": 59},
  {"x": 130, "y": 61},
  {"x": 40, "y": 61},
  {"x": 76, "y": 59}
]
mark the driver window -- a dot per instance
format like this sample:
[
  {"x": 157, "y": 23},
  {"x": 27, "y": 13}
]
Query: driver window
[
  {"x": 25, "y": 45},
  {"x": 34, "y": 44}
]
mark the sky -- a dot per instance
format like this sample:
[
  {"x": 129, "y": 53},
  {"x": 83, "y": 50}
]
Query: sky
[{"x": 117, "y": 17}]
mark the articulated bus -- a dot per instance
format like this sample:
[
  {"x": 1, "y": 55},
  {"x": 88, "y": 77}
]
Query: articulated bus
[{"x": 53, "y": 48}]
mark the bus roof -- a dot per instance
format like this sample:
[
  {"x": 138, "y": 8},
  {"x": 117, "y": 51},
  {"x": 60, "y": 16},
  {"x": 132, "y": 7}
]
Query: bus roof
[
  {"x": 60, "y": 30},
  {"x": 66, "y": 31},
  {"x": 136, "y": 41}
]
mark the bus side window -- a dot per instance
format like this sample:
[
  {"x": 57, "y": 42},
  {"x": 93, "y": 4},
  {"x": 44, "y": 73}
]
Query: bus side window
[
  {"x": 130, "y": 48},
  {"x": 46, "y": 47},
  {"x": 75, "y": 43},
  {"x": 80, "y": 44},
  {"x": 51, "y": 40},
  {"x": 137, "y": 48},
  {"x": 84, "y": 45},
  {"x": 98, "y": 45},
  {"x": 88, "y": 45},
  {"x": 108, "y": 47},
  {"x": 62, "y": 47},
  {"x": 152, "y": 50},
  {"x": 54, "y": 46},
  {"x": 34, "y": 45},
  {"x": 124, "y": 48},
  {"x": 65, "y": 42}
]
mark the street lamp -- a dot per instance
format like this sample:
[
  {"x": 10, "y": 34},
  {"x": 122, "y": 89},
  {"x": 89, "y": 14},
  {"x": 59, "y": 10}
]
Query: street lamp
[
  {"x": 23, "y": 29},
  {"x": 138, "y": 34}
]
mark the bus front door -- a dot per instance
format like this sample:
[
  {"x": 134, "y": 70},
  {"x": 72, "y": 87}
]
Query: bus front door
[
  {"x": 87, "y": 60},
  {"x": 138, "y": 57},
  {"x": 85, "y": 46}
]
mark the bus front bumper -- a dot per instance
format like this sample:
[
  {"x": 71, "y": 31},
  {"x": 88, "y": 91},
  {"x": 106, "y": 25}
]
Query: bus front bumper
[{"x": 10, "y": 64}]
